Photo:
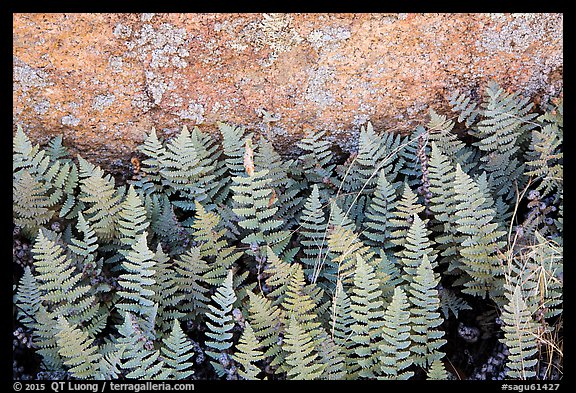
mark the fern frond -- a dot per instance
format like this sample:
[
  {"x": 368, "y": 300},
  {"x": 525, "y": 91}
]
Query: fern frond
[
  {"x": 402, "y": 215},
  {"x": 213, "y": 247},
  {"x": 520, "y": 335},
  {"x": 313, "y": 225},
  {"x": 279, "y": 275},
  {"x": 191, "y": 283},
  {"x": 102, "y": 201},
  {"x": 366, "y": 310},
  {"x": 220, "y": 323},
  {"x": 132, "y": 220},
  {"x": 481, "y": 238},
  {"x": 60, "y": 284},
  {"x": 317, "y": 158},
  {"x": 437, "y": 371},
  {"x": 166, "y": 292},
  {"x": 139, "y": 359},
  {"x": 417, "y": 244},
  {"x": 267, "y": 321},
  {"x": 248, "y": 353},
  {"x": 379, "y": 213},
  {"x": 302, "y": 359},
  {"x": 425, "y": 318},
  {"x": 32, "y": 208},
  {"x": 394, "y": 348},
  {"x": 28, "y": 299},
  {"x": 77, "y": 350},
  {"x": 177, "y": 352},
  {"x": 137, "y": 284}
]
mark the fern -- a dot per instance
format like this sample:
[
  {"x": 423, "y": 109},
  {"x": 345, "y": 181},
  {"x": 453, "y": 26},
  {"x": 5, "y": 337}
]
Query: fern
[
  {"x": 317, "y": 158},
  {"x": 213, "y": 247},
  {"x": 138, "y": 358},
  {"x": 267, "y": 321},
  {"x": 150, "y": 180},
  {"x": 505, "y": 117},
  {"x": 132, "y": 221},
  {"x": 31, "y": 208},
  {"x": 444, "y": 206},
  {"x": 446, "y": 141},
  {"x": 358, "y": 180},
  {"x": 313, "y": 233},
  {"x": 437, "y": 371},
  {"x": 331, "y": 356},
  {"x": 302, "y": 358},
  {"x": 102, "y": 201},
  {"x": 379, "y": 212},
  {"x": 77, "y": 350},
  {"x": 394, "y": 348},
  {"x": 403, "y": 215},
  {"x": 137, "y": 285},
  {"x": 340, "y": 325},
  {"x": 417, "y": 244},
  {"x": 84, "y": 250},
  {"x": 248, "y": 353},
  {"x": 344, "y": 245},
  {"x": 44, "y": 338},
  {"x": 284, "y": 188},
  {"x": 425, "y": 317},
  {"x": 256, "y": 208},
  {"x": 220, "y": 323},
  {"x": 279, "y": 274},
  {"x": 451, "y": 303},
  {"x": 544, "y": 158},
  {"x": 183, "y": 171},
  {"x": 166, "y": 293},
  {"x": 28, "y": 299},
  {"x": 177, "y": 353},
  {"x": 191, "y": 283},
  {"x": 482, "y": 240},
  {"x": 59, "y": 283},
  {"x": 519, "y": 335},
  {"x": 468, "y": 111},
  {"x": 366, "y": 310}
]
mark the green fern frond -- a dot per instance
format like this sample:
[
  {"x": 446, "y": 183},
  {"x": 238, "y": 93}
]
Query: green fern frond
[
  {"x": 60, "y": 283},
  {"x": 132, "y": 220},
  {"x": 166, "y": 292},
  {"x": 267, "y": 321},
  {"x": 77, "y": 350},
  {"x": 416, "y": 245},
  {"x": 437, "y": 371},
  {"x": 220, "y": 323},
  {"x": 248, "y": 353},
  {"x": 302, "y": 360},
  {"x": 177, "y": 352},
  {"x": 394, "y": 348},
  {"x": 103, "y": 203},
  {"x": 366, "y": 310},
  {"x": 137, "y": 284},
  {"x": 402, "y": 216},
  {"x": 425, "y": 318},
  {"x": 520, "y": 335},
  {"x": 213, "y": 246},
  {"x": 313, "y": 232},
  {"x": 28, "y": 299},
  {"x": 379, "y": 213},
  {"x": 279, "y": 274},
  {"x": 191, "y": 283},
  {"x": 481, "y": 239},
  {"x": 139, "y": 359},
  {"x": 32, "y": 208}
]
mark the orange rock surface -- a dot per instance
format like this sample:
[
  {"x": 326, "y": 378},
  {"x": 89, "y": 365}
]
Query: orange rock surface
[{"x": 104, "y": 80}]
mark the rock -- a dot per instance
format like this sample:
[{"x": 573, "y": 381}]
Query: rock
[{"x": 104, "y": 80}]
